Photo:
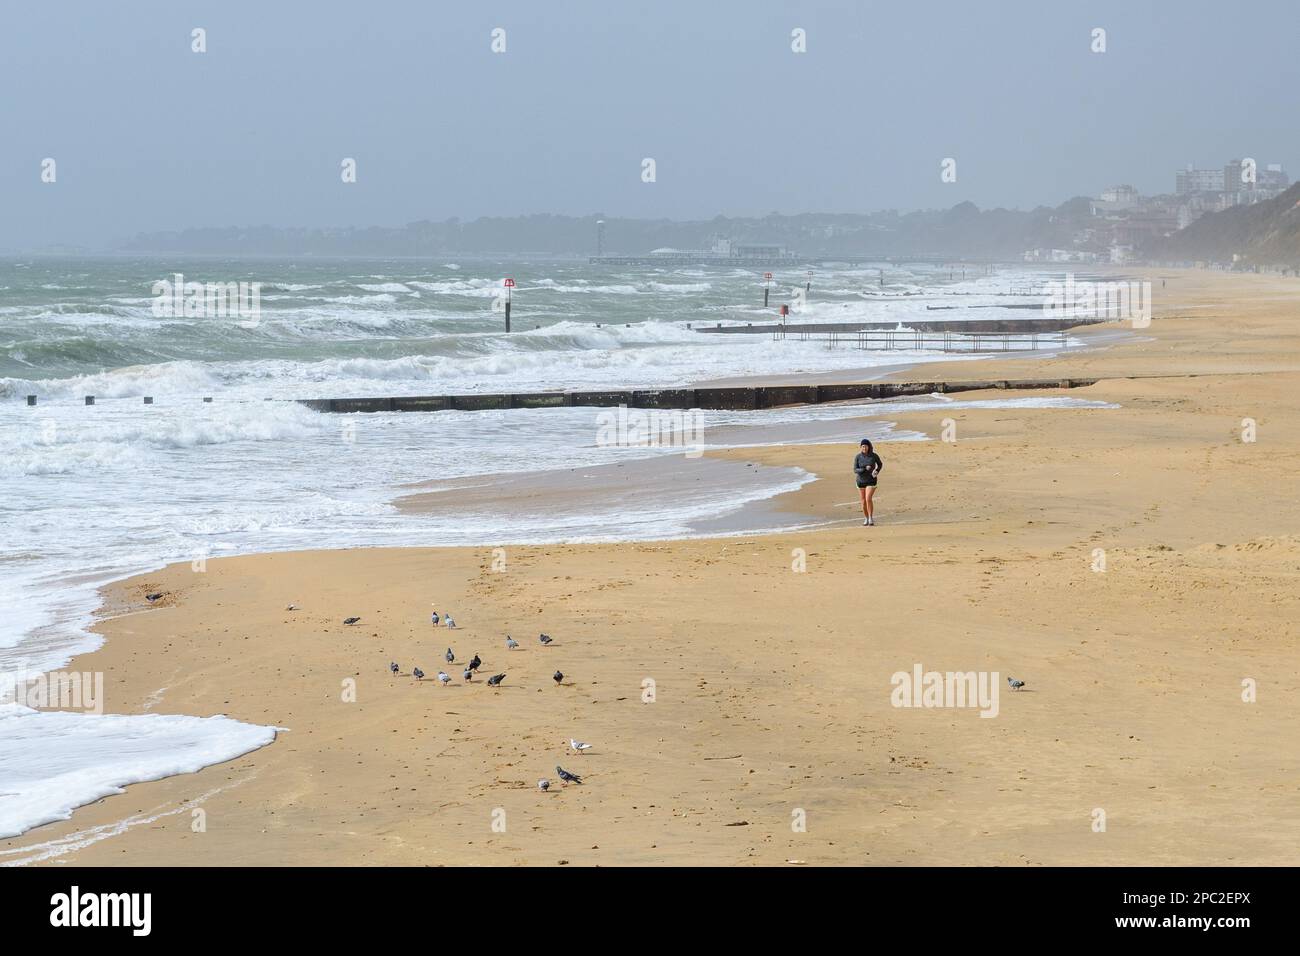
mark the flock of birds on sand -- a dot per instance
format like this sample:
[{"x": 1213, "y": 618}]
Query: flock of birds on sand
[
  {"x": 467, "y": 674},
  {"x": 472, "y": 666},
  {"x": 471, "y": 669}
]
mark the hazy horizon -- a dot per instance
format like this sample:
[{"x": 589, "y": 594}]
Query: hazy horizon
[{"x": 149, "y": 136}]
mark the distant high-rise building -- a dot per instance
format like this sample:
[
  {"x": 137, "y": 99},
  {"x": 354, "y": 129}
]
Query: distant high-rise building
[
  {"x": 1190, "y": 180},
  {"x": 600, "y": 237},
  {"x": 1244, "y": 184},
  {"x": 1237, "y": 176},
  {"x": 1274, "y": 176}
]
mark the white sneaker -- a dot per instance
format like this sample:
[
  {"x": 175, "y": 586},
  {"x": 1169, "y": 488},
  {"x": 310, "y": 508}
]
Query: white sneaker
[{"x": 866, "y": 521}]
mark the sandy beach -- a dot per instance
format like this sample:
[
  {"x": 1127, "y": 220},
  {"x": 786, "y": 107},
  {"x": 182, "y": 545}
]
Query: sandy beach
[{"x": 1133, "y": 564}]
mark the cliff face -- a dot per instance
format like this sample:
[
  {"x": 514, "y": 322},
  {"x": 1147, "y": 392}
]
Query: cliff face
[{"x": 1265, "y": 234}]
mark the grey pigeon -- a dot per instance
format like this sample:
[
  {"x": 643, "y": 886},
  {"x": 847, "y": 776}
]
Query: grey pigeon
[
  {"x": 557, "y": 677},
  {"x": 419, "y": 674},
  {"x": 435, "y": 619},
  {"x": 351, "y": 620},
  {"x": 1015, "y": 684},
  {"x": 394, "y": 668},
  {"x": 469, "y": 674},
  {"x": 153, "y": 597},
  {"x": 444, "y": 677},
  {"x": 450, "y": 622},
  {"x": 566, "y": 776},
  {"x": 544, "y": 638},
  {"x": 543, "y": 785},
  {"x": 511, "y": 643},
  {"x": 449, "y": 656},
  {"x": 495, "y": 679},
  {"x": 474, "y": 663}
]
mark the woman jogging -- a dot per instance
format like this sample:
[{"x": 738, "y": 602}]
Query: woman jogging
[{"x": 866, "y": 466}]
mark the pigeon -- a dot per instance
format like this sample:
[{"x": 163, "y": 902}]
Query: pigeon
[
  {"x": 449, "y": 656},
  {"x": 468, "y": 674},
  {"x": 291, "y": 607},
  {"x": 444, "y": 677},
  {"x": 351, "y": 620},
  {"x": 153, "y": 597},
  {"x": 450, "y": 622},
  {"x": 394, "y": 668},
  {"x": 566, "y": 776},
  {"x": 496, "y": 679},
  {"x": 1015, "y": 684},
  {"x": 557, "y": 677},
  {"x": 435, "y": 619},
  {"x": 419, "y": 674},
  {"x": 543, "y": 785},
  {"x": 474, "y": 663},
  {"x": 511, "y": 643},
  {"x": 578, "y": 746},
  {"x": 544, "y": 638}
]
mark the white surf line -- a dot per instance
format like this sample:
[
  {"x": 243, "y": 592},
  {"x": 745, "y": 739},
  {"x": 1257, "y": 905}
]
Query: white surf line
[
  {"x": 154, "y": 699},
  {"x": 79, "y": 840}
]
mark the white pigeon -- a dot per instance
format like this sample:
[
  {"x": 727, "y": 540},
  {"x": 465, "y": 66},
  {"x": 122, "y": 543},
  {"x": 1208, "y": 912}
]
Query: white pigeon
[
  {"x": 578, "y": 745},
  {"x": 444, "y": 677},
  {"x": 450, "y": 622}
]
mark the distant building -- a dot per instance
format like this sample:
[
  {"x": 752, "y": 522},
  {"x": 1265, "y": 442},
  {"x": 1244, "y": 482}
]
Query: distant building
[
  {"x": 1233, "y": 178},
  {"x": 758, "y": 250},
  {"x": 1273, "y": 176},
  {"x": 1244, "y": 189},
  {"x": 1119, "y": 194},
  {"x": 1189, "y": 181},
  {"x": 730, "y": 249},
  {"x": 1142, "y": 227},
  {"x": 1116, "y": 199},
  {"x": 1236, "y": 184},
  {"x": 1058, "y": 255},
  {"x": 721, "y": 249}
]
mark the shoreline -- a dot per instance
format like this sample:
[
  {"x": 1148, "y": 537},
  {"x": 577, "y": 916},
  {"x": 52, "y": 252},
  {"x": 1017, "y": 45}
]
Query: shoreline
[{"x": 934, "y": 518}]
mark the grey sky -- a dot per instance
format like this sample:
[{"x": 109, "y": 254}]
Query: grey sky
[{"x": 148, "y": 135}]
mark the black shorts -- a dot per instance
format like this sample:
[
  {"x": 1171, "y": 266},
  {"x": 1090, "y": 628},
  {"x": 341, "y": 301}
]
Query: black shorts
[{"x": 870, "y": 483}]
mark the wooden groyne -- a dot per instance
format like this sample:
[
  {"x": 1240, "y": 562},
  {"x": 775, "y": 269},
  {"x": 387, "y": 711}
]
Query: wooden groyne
[
  {"x": 731, "y": 398},
  {"x": 955, "y": 326},
  {"x": 892, "y": 340},
  {"x": 794, "y": 259}
]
